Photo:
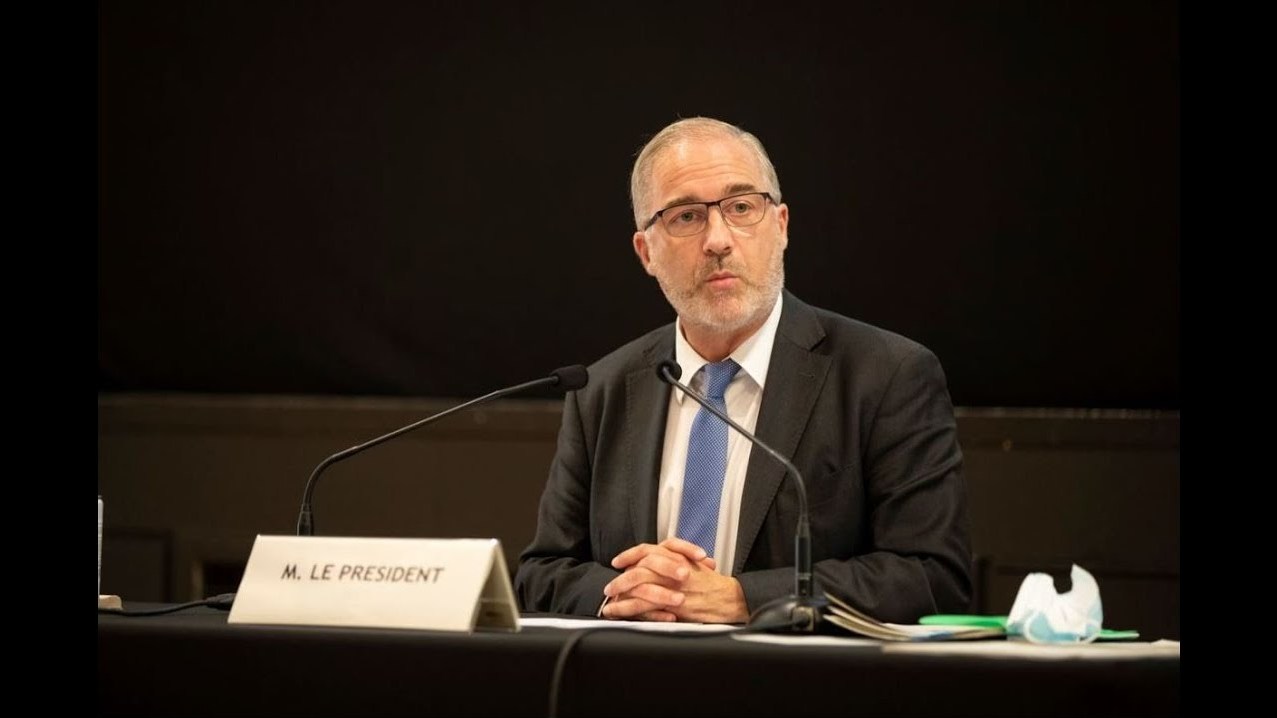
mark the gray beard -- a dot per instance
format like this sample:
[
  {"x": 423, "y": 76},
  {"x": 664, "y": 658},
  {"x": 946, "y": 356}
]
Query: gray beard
[{"x": 755, "y": 304}]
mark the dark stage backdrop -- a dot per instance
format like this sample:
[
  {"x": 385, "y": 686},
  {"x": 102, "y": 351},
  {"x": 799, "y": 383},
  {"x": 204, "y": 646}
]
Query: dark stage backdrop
[{"x": 430, "y": 199}]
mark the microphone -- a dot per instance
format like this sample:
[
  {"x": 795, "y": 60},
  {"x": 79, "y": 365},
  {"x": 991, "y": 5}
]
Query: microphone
[
  {"x": 568, "y": 378},
  {"x": 799, "y": 613}
]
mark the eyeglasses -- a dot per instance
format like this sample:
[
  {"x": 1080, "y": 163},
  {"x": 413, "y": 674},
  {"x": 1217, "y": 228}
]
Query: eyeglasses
[{"x": 738, "y": 210}]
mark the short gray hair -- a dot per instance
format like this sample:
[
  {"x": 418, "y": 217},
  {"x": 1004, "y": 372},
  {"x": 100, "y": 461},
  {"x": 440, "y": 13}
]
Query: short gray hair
[{"x": 698, "y": 128}]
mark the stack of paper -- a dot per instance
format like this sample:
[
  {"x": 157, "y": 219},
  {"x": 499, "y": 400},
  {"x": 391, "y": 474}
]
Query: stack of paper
[{"x": 844, "y": 616}]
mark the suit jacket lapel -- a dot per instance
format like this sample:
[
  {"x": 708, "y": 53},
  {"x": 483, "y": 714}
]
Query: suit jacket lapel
[
  {"x": 794, "y": 378},
  {"x": 647, "y": 401}
]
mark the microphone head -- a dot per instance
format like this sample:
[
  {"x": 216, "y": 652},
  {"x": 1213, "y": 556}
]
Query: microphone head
[
  {"x": 570, "y": 378},
  {"x": 672, "y": 367}
]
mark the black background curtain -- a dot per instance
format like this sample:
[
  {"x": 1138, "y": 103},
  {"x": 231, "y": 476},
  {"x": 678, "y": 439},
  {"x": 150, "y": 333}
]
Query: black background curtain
[{"x": 431, "y": 199}]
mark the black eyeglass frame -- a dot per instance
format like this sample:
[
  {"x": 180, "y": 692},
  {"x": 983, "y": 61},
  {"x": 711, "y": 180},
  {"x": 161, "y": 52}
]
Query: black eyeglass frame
[{"x": 767, "y": 196}]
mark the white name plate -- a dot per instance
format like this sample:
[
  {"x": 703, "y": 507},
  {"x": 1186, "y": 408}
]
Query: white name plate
[{"x": 434, "y": 584}]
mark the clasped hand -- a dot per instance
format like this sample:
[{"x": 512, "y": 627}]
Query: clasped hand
[{"x": 672, "y": 581}]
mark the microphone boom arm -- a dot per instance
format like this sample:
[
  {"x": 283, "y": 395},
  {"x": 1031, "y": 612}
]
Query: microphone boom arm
[{"x": 571, "y": 378}]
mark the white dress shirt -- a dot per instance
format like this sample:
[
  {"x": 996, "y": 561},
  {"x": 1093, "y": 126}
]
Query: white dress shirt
[{"x": 743, "y": 397}]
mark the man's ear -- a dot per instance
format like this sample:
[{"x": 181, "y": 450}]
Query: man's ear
[
  {"x": 782, "y": 216},
  {"x": 643, "y": 251}
]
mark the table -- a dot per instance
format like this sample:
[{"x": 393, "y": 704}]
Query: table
[{"x": 193, "y": 663}]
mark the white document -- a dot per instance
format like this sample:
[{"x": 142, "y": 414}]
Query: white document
[
  {"x": 571, "y": 624},
  {"x": 434, "y": 584}
]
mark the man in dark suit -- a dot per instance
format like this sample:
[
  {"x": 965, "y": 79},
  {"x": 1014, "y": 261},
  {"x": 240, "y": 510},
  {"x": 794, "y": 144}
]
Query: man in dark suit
[{"x": 655, "y": 511}]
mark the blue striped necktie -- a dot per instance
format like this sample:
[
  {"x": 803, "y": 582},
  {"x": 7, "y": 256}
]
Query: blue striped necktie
[{"x": 706, "y": 462}]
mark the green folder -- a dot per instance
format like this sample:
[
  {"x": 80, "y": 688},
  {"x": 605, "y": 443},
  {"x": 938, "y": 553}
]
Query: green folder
[{"x": 954, "y": 619}]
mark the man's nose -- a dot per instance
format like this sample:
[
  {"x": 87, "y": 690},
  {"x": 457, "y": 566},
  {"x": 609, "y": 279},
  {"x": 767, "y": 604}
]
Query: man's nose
[{"x": 718, "y": 236}]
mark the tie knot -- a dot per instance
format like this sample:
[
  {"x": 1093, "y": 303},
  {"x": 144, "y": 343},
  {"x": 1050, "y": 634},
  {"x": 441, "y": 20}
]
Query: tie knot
[{"x": 717, "y": 376}]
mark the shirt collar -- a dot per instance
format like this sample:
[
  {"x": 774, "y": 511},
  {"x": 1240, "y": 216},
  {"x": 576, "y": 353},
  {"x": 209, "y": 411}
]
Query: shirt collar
[{"x": 754, "y": 355}]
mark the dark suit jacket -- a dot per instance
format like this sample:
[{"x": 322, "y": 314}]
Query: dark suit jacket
[{"x": 863, "y": 413}]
